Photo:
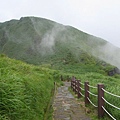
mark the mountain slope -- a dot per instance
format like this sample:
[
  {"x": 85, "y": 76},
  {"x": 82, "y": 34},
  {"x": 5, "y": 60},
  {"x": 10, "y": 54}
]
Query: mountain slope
[
  {"x": 25, "y": 90},
  {"x": 38, "y": 40}
]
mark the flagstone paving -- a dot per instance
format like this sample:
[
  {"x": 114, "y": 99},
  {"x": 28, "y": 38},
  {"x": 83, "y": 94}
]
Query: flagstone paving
[{"x": 66, "y": 107}]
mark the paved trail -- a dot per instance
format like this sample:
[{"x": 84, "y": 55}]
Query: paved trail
[{"x": 66, "y": 106}]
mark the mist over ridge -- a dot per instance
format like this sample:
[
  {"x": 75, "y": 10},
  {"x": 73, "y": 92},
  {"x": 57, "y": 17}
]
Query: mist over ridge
[{"x": 38, "y": 40}]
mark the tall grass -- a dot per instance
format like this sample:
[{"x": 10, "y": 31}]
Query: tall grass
[
  {"x": 111, "y": 84},
  {"x": 25, "y": 90}
]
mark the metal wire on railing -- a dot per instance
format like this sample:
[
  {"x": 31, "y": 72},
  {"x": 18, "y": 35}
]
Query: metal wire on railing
[
  {"x": 92, "y": 102},
  {"x": 111, "y": 93},
  {"x": 108, "y": 113}
]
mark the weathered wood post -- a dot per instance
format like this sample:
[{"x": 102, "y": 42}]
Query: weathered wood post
[
  {"x": 79, "y": 89},
  {"x": 76, "y": 86},
  {"x": 61, "y": 78},
  {"x": 100, "y": 100},
  {"x": 86, "y": 93},
  {"x": 54, "y": 86},
  {"x": 73, "y": 84}
]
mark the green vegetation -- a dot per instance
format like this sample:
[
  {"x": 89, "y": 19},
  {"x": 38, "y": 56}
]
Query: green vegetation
[
  {"x": 25, "y": 90},
  {"x": 37, "y": 40},
  {"x": 112, "y": 84}
]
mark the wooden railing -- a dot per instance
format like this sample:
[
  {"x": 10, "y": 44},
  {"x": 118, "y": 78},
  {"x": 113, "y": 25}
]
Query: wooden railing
[{"x": 76, "y": 87}]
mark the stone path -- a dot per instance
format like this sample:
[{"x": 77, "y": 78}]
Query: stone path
[{"x": 66, "y": 107}]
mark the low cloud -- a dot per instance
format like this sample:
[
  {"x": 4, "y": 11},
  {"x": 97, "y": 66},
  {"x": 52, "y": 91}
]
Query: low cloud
[{"x": 108, "y": 53}]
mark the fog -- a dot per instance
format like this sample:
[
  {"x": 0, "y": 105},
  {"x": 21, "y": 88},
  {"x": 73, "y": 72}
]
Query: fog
[
  {"x": 106, "y": 52},
  {"x": 46, "y": 42},
  {"x": 97, "y": 17}
]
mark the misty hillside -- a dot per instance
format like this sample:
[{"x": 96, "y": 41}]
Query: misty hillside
[{"x": 38, "y": 40}]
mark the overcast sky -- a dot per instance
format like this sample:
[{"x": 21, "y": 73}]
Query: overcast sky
[{"x": 100, "y": 18}]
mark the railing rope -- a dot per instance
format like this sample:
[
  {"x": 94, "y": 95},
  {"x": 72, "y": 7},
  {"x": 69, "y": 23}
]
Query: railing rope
[
  {"x": 76, "y": 86},
  {"x": 108, "y": 113},
  {"x": 110, "y": 104},
  {"x": 92, "y": 102},
  {"x": 111, "y": 93},
  {"x": 92, "y": 87},
  {"x": 92, "y": 94},
  {"x": 86, "y": 93},
  {"x": 73, "y": 85},
  {"x": 82, "y": 89},
  {"x": 79, "y": 89},
  {"x": 100, "y": 100},
  {"x": 81, "y": 94},
  {"x": 81, "y": 83}
]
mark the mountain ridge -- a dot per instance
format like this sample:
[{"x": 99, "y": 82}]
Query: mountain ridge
[{"x": 38, "y": 40}]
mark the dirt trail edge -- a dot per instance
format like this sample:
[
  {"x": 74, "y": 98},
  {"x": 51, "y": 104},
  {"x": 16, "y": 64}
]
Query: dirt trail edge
[{"x": 66, "y": 106}]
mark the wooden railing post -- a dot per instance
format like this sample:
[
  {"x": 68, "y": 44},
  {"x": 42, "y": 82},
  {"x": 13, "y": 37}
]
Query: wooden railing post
[
  {"x": 54, "y": 86},
  {"x": 79, "y": 90},
  {"x": 86, "y": 93},
  {"x": 71, "y": 83},
  {"x": 76, "y": 86},
  {"x": 100, "y": 100},
  {"x": 73, "y": 78},
  {"x": 61, "y": 78}
]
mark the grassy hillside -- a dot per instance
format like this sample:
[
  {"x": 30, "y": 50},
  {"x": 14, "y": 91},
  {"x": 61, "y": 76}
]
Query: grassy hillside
[
  {"x": 36, "y": 39},
  {"x": 25, "y": 90}
]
